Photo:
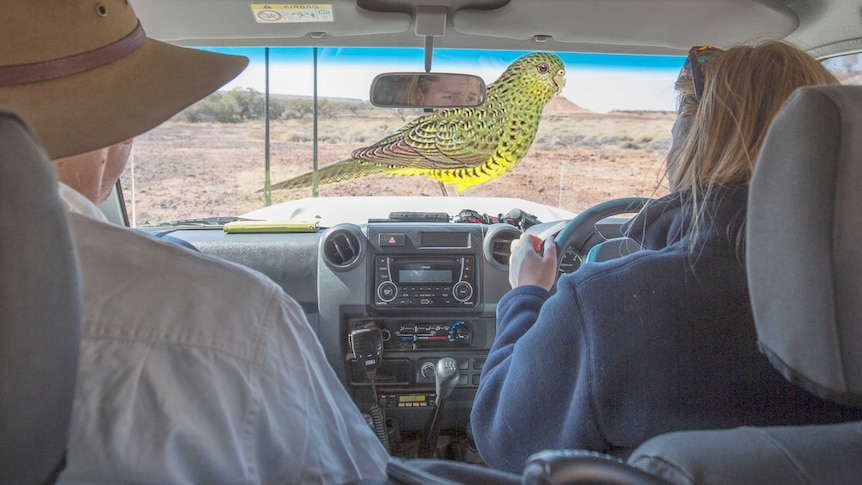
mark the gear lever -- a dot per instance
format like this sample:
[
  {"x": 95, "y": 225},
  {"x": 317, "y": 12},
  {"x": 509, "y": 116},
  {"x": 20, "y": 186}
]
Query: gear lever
[{"x": 445, "y": 376}]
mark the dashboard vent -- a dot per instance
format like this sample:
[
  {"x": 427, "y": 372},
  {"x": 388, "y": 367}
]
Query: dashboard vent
[
  {"x": 343, "y": 247},
  {"x": 497, "y": 245}
]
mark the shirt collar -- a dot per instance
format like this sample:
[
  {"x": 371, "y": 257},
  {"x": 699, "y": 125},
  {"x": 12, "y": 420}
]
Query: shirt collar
[{"x": 78, "y": 204}]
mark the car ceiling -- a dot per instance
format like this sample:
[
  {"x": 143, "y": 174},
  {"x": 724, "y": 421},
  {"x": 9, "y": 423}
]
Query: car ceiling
[{"x": 822, "y": 27}]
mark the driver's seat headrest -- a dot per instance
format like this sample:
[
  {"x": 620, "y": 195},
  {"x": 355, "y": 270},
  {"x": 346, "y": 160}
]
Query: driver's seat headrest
[{"x": 804, "y": 242}]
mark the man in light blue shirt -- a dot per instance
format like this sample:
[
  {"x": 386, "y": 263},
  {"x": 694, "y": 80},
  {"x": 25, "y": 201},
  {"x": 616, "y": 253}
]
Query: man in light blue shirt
[{"x": 192, "y": 369}]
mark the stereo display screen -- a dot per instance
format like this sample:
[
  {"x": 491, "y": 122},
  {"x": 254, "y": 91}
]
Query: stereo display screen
[{"x": 419, "y": 276}]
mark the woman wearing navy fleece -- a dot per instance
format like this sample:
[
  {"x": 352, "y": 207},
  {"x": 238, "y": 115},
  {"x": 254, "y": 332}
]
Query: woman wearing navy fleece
[{"x": 663, "y": 339}]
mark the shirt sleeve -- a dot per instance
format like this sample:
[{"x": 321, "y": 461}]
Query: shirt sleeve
[
  {"x": 309, "y": 430},
  {"x": 534, "y": 393}
]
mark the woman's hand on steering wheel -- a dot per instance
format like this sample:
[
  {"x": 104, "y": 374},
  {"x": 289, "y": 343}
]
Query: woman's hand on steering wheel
[{"x": 529, "y": 266}]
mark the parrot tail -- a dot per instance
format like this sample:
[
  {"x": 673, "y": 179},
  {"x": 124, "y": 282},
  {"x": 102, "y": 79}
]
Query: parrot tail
[{"x": 337, "y": 172}]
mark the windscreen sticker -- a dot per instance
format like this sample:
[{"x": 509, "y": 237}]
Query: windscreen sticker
[{"x": 272, "y": 13}]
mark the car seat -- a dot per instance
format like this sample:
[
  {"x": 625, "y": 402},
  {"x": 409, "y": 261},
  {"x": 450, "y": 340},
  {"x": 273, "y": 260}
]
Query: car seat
[
  {"x": 40, "y": 312},
  {"x": 805, "y": 278}
]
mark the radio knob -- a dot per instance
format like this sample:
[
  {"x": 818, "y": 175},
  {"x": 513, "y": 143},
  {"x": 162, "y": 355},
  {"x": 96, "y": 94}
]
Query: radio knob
[
  {"x": 427, "y": 370},
  {"x": 387, "y": 291},
  {"x": 462, "y": 291},
  {"x": 462, "y": 332}
]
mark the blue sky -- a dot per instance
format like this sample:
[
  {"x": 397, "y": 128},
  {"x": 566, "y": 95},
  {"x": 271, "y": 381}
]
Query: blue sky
[{"x": 598, "y": 82}]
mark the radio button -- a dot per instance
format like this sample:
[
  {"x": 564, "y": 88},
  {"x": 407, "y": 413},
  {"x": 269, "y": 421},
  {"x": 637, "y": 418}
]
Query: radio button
[
  {"x": 462, "y": 291},
  {"x": 391, "y": 240},
  {"x": 387, "y": 291}
]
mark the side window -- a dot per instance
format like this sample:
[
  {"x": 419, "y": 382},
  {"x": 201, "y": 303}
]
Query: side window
[{"x": 847, "y": 68}]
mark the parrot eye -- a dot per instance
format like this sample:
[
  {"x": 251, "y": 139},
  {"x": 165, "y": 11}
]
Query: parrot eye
[{"x": 542, "y": 68}]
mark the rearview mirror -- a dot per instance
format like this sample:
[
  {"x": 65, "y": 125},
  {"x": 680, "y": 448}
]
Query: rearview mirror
[{"x": 427, "y": 90}]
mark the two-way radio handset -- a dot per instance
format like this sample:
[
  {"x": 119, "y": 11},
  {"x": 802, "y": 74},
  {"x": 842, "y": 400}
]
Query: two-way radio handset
[{"x": 367, "y": 347}]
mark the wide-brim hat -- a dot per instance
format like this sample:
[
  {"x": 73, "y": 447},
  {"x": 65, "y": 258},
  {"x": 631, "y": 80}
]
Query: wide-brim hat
[{"x": 84, "y": 75}]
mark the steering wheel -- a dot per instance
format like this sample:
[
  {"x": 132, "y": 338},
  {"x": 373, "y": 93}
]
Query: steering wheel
[
  {"x": 571, "y": 467},
  {"x": 580, "y": 234}
]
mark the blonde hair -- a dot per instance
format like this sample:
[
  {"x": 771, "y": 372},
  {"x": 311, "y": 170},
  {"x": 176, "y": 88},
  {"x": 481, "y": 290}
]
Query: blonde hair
[
  {"x": 745, "y": 86},
  {"x": 418, "y": 86},
  {"x": 686, "y": 108}
]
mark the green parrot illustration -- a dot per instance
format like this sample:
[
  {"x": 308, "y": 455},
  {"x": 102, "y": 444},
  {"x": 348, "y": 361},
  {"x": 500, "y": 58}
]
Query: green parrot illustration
[{"x": 462, "y": 147}]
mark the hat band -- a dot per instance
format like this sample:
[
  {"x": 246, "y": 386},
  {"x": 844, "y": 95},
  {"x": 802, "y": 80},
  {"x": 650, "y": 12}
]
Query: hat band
[{"x": 74, "y": 64}]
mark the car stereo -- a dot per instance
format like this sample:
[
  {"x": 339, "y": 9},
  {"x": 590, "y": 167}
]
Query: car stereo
[{"x": 424, "y": 281}]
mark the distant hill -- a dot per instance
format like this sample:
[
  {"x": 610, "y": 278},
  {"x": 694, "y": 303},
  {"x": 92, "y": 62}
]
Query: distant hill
[
  {"x": 297, "y": 96},
  {"x": 559, "y": 105},
  {"x": 330, "y": 98}
]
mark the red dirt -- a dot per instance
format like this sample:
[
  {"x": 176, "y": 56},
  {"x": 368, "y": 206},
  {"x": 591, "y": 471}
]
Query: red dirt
[{"x": 184, "y": 170}]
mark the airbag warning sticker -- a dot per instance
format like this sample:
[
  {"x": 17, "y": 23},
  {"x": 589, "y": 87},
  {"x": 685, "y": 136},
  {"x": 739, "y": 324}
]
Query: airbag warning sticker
[{"x": 272, "y": 13}]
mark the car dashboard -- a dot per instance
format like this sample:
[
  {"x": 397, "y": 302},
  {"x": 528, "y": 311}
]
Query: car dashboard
[{"x": 430, "y": 287}]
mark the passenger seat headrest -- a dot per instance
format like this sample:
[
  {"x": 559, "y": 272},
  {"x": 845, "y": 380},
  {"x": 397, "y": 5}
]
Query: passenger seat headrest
[{"x": 40, "y": 311}]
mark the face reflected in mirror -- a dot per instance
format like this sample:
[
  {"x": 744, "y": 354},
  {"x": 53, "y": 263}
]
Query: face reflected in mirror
[
  {"x": 434, "y": 90},
  {"x": 424, "y": 90}
]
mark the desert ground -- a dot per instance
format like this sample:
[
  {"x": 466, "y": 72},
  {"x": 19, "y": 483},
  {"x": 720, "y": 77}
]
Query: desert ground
[{"x": 184, "y": 170}]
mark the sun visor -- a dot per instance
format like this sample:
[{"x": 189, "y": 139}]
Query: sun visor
[
  {"x": 636, "y": 22},
  {"x": 257, "y": 20}
]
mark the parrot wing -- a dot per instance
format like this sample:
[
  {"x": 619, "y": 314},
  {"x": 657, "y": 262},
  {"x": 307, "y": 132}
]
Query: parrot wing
[{"x": 446, "y": 139}]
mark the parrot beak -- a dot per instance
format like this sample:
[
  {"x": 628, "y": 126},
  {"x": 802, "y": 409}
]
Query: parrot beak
[{"x": 560, "y": 81}]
